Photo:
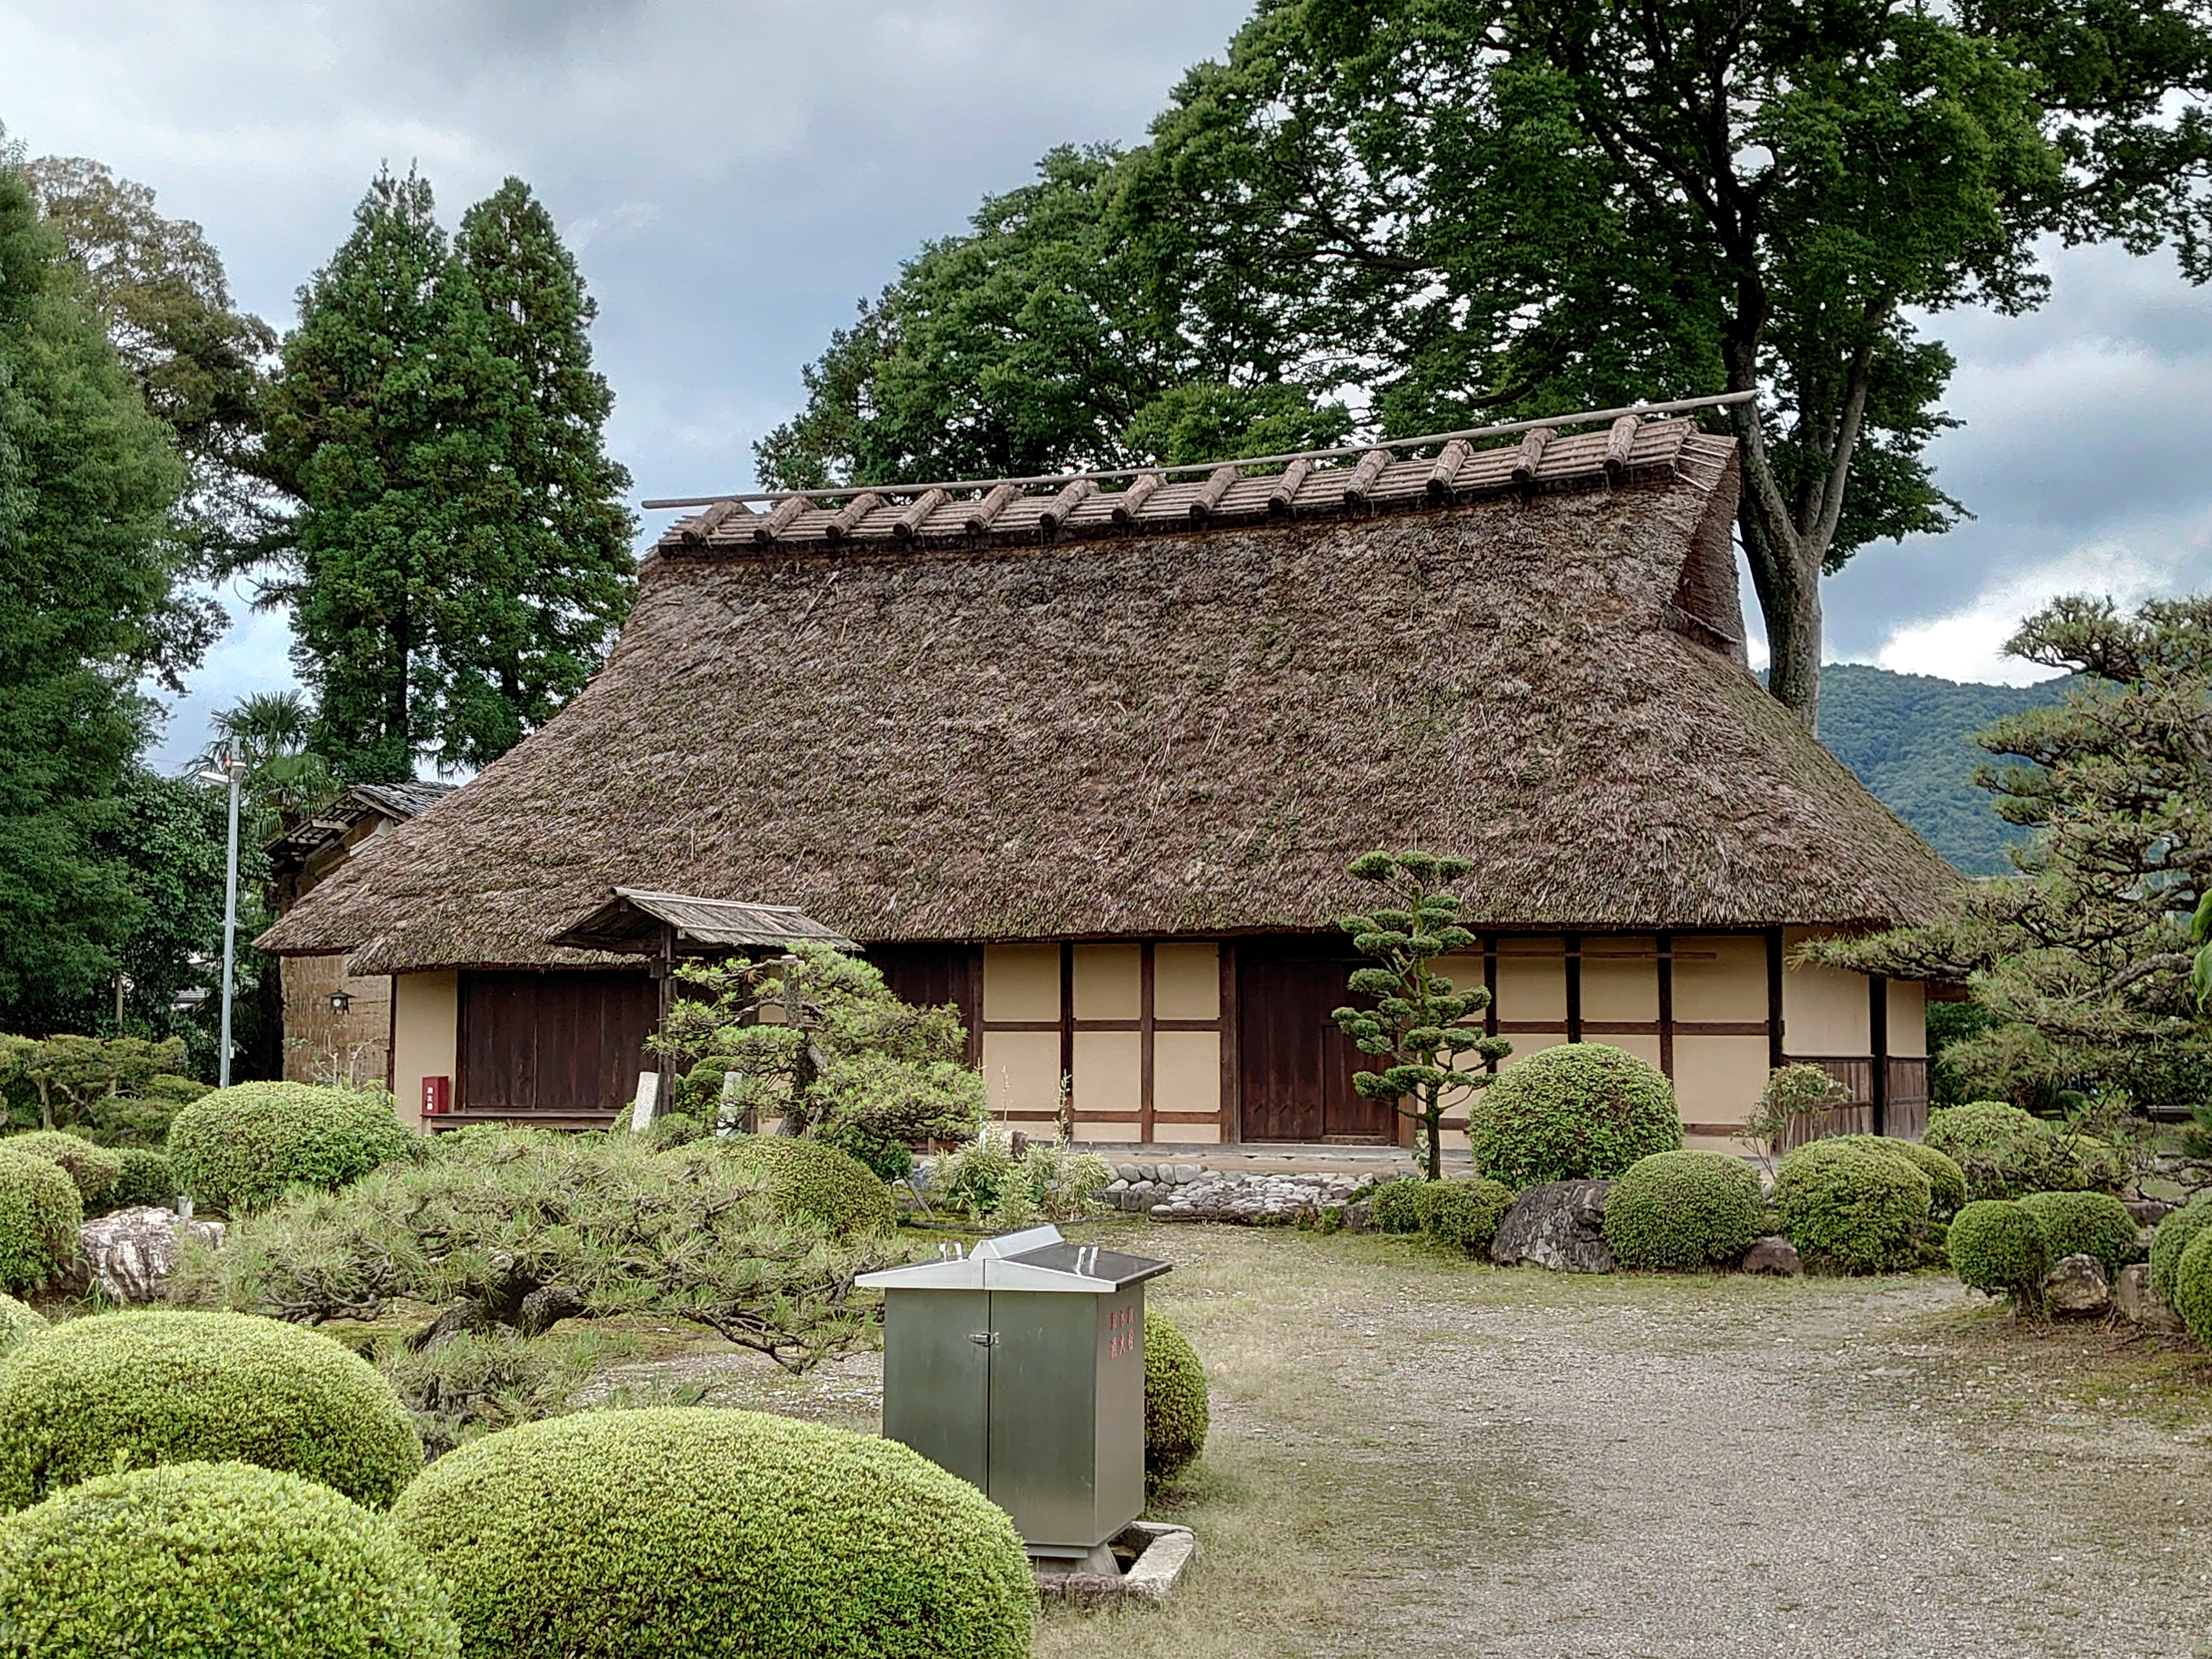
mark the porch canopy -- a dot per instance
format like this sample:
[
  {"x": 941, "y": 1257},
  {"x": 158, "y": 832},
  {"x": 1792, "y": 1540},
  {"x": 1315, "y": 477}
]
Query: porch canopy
[{"x": 637, "y": 921}]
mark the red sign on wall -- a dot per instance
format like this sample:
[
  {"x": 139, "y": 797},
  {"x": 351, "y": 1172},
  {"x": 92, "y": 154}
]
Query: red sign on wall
[{"x": 437, "y": 1095}]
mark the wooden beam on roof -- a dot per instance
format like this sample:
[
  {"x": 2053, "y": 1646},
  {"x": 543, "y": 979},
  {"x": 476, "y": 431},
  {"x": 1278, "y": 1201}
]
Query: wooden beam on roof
[
  {"x": 909, "y": 524},
  {"x": 1057, "y": 510},
  {"x": 1130, "y": 502},
  {"x": 1284, "y": 494},
  {"x": 1364, "y": 476},
  {"x": 1620, "y": 441},
  {"x": 695, "y": 531},
  {"x": 1531, "y": 456},
  {"x": 990, "y": 506},
  {"x": 780, "y": 521},
  {"x": 850, "y": 515},
  {"x": 1446, "y": 470},
  {"x": 1210, "y": 492}
]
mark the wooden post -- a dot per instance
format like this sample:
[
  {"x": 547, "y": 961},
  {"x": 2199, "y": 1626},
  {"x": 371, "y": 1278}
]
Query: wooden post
[
  {"x": 1573, "y": 966},
  {"x": 1232, "y": 1102},
  {"x": 1878, "y": 1040},
  {"x": 1666, "y": 966},
  {"x": 1144, "y": 1023},
  {"x": 1490, "y": 984},
  {"x": 1774, "y": 1033},
  {"x": 1068, "y": 1027}
]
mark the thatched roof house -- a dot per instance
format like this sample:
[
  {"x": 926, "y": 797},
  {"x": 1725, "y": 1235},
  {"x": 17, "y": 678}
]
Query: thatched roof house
[{"x": 1035, "y": 738}]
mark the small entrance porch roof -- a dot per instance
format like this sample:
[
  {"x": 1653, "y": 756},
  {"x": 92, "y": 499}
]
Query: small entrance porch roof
[{"x": 634, "y": 920}]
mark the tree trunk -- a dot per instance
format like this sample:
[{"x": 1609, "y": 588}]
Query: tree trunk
[{"x": 1788, "y": 584}]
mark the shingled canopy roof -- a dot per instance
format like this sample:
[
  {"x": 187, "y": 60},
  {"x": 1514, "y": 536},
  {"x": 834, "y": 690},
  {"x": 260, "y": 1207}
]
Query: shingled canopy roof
[{"x": 1061, "y": 725}]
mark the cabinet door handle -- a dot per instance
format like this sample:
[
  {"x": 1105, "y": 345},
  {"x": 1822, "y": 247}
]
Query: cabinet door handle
[{"x": 988, "y": 1339}]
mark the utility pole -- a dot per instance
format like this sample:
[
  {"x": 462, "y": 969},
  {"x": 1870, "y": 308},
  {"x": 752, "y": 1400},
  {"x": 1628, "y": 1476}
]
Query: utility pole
[{"x": 234, "y": 773}]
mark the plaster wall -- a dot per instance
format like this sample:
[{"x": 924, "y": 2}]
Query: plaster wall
[
  {"x": 1186, "y": 981},
  {"x": 1720, "y": 977},
  {"x": 1621, "y": 986},
  {"x": 1021, "y": 982},
  {"x": 1908, "y": 1019},
  {"x": 1823, "y": 1010},
  {"x": 426, "y": 1021}
]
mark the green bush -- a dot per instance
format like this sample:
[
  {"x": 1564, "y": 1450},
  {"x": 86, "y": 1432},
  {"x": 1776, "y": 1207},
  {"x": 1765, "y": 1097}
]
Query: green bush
[
  {"x": 147, "y": 1178},
  {"x": 94, "y": 1169},
  {"x": 1464, "y": 1211},
  {"x": 1683, "y": 1210},
  {"x": 204, "y": 1559},
  {"x": 1998, "y": 1246},
  {"x": 240, "y": 1148},
  {"x": 2086, "y": 1224},
  {"x": 2192, "y": 1287},
  {"x": 808, "y": 1180},
  {"x": 41, "y": 1211},
  {"x": 685, "y": 1531},
  {"x": 2173, "y": 1237},
  {"x": 1946, "y": 1182},
  {"x": 1581, "y": 1111},
  {"x": 17, "y": 1321},
  {"x": 1850, "y": 1210},
  {"x": 1397, "y": 1205},
  {"x": 2004, "y": 1152},
  {"x": 674, "y": 1129},
  {"x": 158, "y": 1386},
  {"x": 1176, "y": 1415}
]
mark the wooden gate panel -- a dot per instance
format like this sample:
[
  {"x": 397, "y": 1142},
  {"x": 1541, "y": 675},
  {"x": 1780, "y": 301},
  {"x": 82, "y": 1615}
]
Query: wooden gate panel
[
  {"x": 1294, "y": 1066},
  {"x": 541, "y": 1045}
]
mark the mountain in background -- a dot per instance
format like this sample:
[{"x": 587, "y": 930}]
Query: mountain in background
[{"x": 1910, "y": 739}]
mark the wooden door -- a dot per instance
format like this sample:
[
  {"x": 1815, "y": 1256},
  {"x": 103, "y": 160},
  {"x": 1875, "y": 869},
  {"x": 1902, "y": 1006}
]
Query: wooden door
[
  {"x": 553, "y": 1044},
  {"x": 1293, "y": 1066}
]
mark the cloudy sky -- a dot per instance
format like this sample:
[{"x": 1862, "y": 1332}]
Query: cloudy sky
[{"x": 734, "y": 176}]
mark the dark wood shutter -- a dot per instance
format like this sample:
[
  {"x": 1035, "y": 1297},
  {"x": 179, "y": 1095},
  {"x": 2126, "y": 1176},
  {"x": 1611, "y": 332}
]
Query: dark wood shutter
[
  {"x": 554, "y": 1044},
  {"x": 1294, "y": 1066}
]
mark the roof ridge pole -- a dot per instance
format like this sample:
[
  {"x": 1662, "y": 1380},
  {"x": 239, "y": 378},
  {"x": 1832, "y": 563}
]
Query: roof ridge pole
[
  {"x": 780, "y": 520},
  {"x": 990, "y": 506},
  {"x": 909, "y": 524},
  {"x": 1057, "y": 510},
  {"x": 1128, "y": 503},
  {"x": 1449, "y": 459},
  {"x": 1210, "y": 492},
  {"x": 1364, "y": 476},
  {"x": 1620, "y": 443}
]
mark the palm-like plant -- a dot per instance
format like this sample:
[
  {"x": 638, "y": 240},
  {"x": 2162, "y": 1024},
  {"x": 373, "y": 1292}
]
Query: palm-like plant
[{"x": 285, "y": 780}]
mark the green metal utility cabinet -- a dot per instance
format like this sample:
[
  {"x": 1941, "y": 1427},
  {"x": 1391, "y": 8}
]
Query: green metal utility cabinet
[{"x": 1020, "y": 1368}]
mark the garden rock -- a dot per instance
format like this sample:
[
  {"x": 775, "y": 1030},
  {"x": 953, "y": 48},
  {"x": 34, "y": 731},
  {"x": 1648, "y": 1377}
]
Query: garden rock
[
  {"x": 2075, "y": 1288},
  {"x": 1359, "y": 1218},
  {"x": 128, "y": 1255},
  {"x": 1778, "y": 1257},
  {"x": 2149, "y": 1211},
  {"x": 1556, "y": 1224},
  {"x": 1233, "y": 1195},
  {"x": 2135, "y": 1301}
]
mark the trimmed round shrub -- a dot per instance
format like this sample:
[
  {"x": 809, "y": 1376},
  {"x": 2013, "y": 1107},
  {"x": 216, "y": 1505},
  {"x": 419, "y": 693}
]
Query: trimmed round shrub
[
  {"x": 1946, "y": 1182},
  {"x": 41, "y": 1211},
  {"x": 808, "y": 1180},
  {"x": 1684, "y": 1210},
  {"x": 686, "y": 1530},
  {"x": 206, "y": 1559},
  {"x": 147, "y": 1178},
  {"x": 94, "y": 1169},
  {"x": 1580, "y": 1111},
  {"x": 124, "y": 1390},
  {"x": 1464, "y": 1211},
  {"x": 2086, "y": 1224},
  {"x": 241, "y": 1147},
  {"x": 18, "y": 1321},
  {"x": 1176, "y": 1411},
  {"x": 2175, "y": 1233},
  {"x": 1850, "y": 1210},
  {"x": 2192, "y": 1287},
  {"x": 675, "y": 1130},
  {"x": 1396, "y": 1206},
  {"x": 1997, "y": 1246},
  {"x": 2003, "y": 1150}
]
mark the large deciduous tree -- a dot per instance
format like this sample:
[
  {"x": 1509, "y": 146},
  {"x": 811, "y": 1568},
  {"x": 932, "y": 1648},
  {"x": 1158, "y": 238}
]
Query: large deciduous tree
[{"x": 459, "y": 558}]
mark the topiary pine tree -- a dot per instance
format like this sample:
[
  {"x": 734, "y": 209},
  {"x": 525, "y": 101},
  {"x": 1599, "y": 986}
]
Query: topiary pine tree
[{"x": 1420, "y": 1019}]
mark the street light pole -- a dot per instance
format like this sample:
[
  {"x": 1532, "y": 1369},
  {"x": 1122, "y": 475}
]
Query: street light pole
[{"x": 233, "y": 773}]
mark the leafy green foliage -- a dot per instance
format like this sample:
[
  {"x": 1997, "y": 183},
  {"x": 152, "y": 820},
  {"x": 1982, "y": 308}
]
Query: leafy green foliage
[
  {"x": 241, "y": 1147},
  {"x": 41, "y": 1211},
  {"x": 526, "y": 1227},
  {"x": 1397, "y": 1207},
  {"x": 2192, "y": 1289},
  {"x": 1578, "y": 1111},
  {"x": 1464, "y": 1211},
  {"x": 1683, "y": 1211},
  {"x": 145, "y": 1178},
  {"x": 2175, "y": 1231},
  {"x": 1789, "y": 1107},
  {"x": 2086, "y": 1224},
  {"x": 986, "y": 1182},
  {"x": 66, "y": 1081},
  {"x": 202, "y": 1559},
  {"x": 1851, "y": 1210},
  {"x": 18, "y": 1322},
  {"x": 640, "y": 1534},
  {"x": 1946, "y": 1182},
  {"x": 1177, "y": 1412},
  {"x": 161, "y": 1386},
  {"x": 469, "y": 1383},
  {"x": 808, "y": 1183},
  {"x": 460, "y": 556},
  {"x": 1999, "y": 1246},
  {"x": 1419, "y": 1020},
  {"x": 2004, "y": 1152},
  {"x": 94, "y": 1169}
]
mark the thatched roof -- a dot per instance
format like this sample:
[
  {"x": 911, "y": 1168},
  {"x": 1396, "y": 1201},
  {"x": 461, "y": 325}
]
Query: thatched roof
[{"x": 1171, "y": 727}]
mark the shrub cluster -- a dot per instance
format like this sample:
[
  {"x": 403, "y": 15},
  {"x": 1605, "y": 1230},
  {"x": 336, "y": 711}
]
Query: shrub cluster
[
  {"x": 1851, "y": 1210},
  {"x": 1176, "y": 1415},
  {"x": 676, "y": 1531},
  {"x": 2005, "y": 1152},
  {"x": 2174, "y": 1236},
  {"x": 2086, "y": 1224},
  {"x": 809, "y": 1180},
  {"x": 1998, "y": 1246},
  {"x": 2192, "y": 1287},
  {"x": 240, "y": 1148},
  {"x": 1684, "y": 1210},
  {"x": 95, "y": 1395},
  {"x": 94, "y": 1169},
  {"x": 146, "y": 1178},
  {"x": 1463, "y": 1211},
  {"x": 1397, "y": 1205},
  {"x": 41, "y": 1211},
  {"x": 1946, "y": 1182},
  {"x": 17, "y": 1321},
  {"x": 204, "y": 1558},
  {"x": 1583, "y": 1110}
]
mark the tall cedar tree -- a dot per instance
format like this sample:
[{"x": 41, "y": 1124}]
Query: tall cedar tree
[
  {"x": 89, "y": 559},
  {"x": 1460, "y": 211},
  {"x": 459, "y": 561}
]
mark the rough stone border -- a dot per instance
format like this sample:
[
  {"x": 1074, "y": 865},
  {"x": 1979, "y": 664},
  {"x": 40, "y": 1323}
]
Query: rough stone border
[{"x": 1165, "y": 1552}]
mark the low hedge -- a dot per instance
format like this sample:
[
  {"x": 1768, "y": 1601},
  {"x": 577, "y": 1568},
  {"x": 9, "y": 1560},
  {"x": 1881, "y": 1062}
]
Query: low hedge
[
  {"x": 809, "y": 1180},
  {"x": 94, "y": 1169},
  {"x": 684, "y": 1531},
  {"x": 1997, "y": 1246},
  {"x": 1850, "y": 1210},
  {"x": 156, "y": 1386},
  {"x": 1397, "y": 1205},
  {"x": 1946, "y": 1182},
  {"x": 2004, "y": 1152},
  {"x": 1683, "y": 1210},
  {"x": 2175, "y": 1233},
  {"x": 239, "y": 1148},
  {"x": 1464, "y": 1211},
  {"x": 1578, "y": 1111},
  {"x": 41, "y": 1211},
  {"x": 205, "y": 1560},
  {"x": 2086, "y": 1224},
  {"x": 2192, "y": 1287},
  {"x": 18, "y": 1321},
  {"x": 1176, "y": 1409},
  {"x": 146, "y": 1178}
]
